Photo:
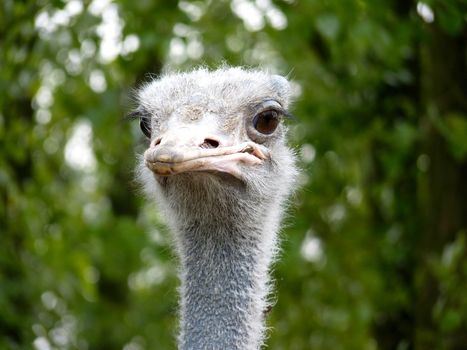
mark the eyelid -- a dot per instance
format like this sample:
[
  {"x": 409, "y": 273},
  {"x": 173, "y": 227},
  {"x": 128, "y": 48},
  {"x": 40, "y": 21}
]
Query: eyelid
[
  {"x": 271, "y": 104},
  {"x": 274, "y": 106},
  {"x": 138, "y": 114}
]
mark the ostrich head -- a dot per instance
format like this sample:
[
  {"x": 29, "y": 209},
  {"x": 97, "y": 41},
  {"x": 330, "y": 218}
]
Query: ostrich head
[
  {"x": 220, "y": 168},
  {"x": 217, "y": 139}
]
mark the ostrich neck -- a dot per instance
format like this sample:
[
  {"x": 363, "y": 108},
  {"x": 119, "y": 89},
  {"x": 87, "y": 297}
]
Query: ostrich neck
[{"x": 224, "y": 284}]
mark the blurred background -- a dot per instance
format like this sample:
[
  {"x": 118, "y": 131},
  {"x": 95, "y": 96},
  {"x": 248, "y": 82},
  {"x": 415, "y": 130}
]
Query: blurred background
[{"x": 374, "y": 252}]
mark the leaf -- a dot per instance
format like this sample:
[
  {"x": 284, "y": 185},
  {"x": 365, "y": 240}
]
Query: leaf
[{"x": 454, "y": 129}]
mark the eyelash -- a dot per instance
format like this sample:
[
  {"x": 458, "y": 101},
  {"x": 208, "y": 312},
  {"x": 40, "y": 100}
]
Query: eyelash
[
  {"x": 144, "y": 121},
  {"x": 145, "y": 126}
]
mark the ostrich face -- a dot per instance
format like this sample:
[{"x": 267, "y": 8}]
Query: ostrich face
[{"x": 217, "y": 129}]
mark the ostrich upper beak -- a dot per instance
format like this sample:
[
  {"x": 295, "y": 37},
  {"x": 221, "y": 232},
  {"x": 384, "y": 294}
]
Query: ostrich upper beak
[{"x": 174, "y": 155}]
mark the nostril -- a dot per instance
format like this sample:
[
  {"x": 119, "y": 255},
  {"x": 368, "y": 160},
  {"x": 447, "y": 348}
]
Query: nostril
[
  {"x": 156, "y": 142},
  {"x": 209, "y": 143},
  {"x": 212, "y": 143}
]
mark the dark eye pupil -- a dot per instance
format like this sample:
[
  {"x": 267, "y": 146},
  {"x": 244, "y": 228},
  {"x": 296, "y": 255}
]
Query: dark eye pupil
[
  {"x": 145, "y": 127},
  {"x": 266, "y": 122}
]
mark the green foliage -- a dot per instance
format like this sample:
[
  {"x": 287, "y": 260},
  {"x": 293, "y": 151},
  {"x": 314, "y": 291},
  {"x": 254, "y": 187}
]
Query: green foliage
[
  {"x": 454, "y": 129},
  {"x": 450, "y": 311},
  {"x": 374, "y": 249}
]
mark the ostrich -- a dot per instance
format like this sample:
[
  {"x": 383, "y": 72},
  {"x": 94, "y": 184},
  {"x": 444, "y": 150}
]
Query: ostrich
[{"x": 219, "y": 167}]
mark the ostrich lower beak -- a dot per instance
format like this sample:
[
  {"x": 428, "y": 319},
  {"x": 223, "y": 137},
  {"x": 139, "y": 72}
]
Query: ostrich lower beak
[{"x": 166, "y": 161}]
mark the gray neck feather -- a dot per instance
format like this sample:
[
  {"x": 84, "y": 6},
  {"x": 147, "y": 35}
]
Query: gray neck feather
[
  {"x": 225, "y": 251},
  {"x": 224, "y": 285}
]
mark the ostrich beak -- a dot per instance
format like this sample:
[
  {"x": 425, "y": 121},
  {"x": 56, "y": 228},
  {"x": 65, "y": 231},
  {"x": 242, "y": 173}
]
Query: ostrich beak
[{"x": 169, "y": 159}]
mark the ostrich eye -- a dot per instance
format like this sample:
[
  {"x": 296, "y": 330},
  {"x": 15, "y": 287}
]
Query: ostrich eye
[
  {"x": 145, "y": 125},
  {"x": 266, "y": 122}
]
